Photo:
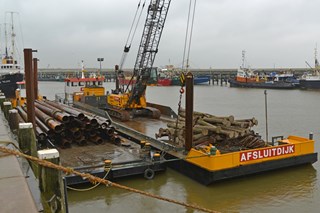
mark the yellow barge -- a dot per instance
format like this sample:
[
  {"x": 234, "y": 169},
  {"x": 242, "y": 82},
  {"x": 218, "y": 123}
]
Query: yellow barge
[{"x": 206, "y": 166}]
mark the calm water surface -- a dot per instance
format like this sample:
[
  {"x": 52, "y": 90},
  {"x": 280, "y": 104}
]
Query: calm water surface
[{"x": 289, "y": 190}]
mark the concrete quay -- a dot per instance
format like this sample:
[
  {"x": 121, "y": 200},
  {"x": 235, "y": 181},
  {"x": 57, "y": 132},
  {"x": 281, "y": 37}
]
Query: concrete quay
[{"x": 14, "y": 191}]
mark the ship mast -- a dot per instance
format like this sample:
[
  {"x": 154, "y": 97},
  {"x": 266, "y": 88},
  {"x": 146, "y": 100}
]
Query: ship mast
[
  {"x": 243, "y": 58},
  {"x": 6, "y": 40},
  {"x": 316, "y": 62},
  {"x": 12, "y": 38}
]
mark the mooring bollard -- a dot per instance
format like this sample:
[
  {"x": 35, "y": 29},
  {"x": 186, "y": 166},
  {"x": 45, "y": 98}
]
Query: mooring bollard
[
  {"x": 6, "y": 107},
  {"x": 13, "y": 119},
  {"x": 50, "y": 183}
]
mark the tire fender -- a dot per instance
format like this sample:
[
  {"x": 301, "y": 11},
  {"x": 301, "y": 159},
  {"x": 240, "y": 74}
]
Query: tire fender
[{"x": 148, "y": 174}]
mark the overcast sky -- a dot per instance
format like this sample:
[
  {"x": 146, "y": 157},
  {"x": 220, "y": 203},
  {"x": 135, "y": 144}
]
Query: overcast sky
[{"x": 274, "y": 33}]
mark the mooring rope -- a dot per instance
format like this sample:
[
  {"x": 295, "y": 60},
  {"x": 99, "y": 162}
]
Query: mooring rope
[
  {"x": 95, "y": 180},
  {"x": 92, "y": 187}
]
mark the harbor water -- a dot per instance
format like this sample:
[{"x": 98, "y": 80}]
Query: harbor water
[{"x": 290, "y": 112}]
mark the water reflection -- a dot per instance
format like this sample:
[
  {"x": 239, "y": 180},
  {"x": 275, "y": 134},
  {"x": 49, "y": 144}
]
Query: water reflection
[{"x": 260, "y": 193}]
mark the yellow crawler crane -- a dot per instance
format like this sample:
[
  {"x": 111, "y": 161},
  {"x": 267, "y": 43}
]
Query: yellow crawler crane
[{"x": 134, "y": 98}]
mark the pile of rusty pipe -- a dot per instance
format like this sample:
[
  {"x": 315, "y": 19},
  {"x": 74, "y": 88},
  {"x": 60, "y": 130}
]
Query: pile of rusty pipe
[
  {"x": 94, "y": 119},
  {"x": 57, "y": 126},
  {"x": 57, "y": 110},
  {"x": 60, "y": 116},
  {"x": 67, "y": 109},
  {"x": 41, "y": 135},
  {"x": 80, "y": 128}
]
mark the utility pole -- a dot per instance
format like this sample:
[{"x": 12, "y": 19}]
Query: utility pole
[{"x": 100, "y": 60}]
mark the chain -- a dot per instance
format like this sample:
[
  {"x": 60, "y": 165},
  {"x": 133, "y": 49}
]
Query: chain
[{"x": 179, "y": 108}]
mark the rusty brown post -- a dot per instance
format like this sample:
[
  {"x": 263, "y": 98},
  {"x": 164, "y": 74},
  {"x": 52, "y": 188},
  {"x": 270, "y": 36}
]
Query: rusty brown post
[
  {"x": 29, "y": 85},
  {"x": 35, "y": 77},
  {"x": 189, "y": 111}
]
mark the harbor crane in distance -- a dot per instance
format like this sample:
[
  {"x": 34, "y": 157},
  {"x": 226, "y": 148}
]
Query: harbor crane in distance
[{"x": 133, "y": 97}]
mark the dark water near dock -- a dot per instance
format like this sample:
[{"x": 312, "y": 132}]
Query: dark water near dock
[{"x": 290, "y": 112}]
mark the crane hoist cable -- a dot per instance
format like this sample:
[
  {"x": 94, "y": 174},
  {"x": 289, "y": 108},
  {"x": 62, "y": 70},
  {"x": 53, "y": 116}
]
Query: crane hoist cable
[
  {"x": 182, "y": 77},
  {"x": 188, "y": 35},
  {"x": 131, "y": 35}
]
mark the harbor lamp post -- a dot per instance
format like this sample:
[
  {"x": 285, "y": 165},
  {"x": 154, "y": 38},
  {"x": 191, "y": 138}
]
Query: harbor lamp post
[{"x": 100, "y": 60}]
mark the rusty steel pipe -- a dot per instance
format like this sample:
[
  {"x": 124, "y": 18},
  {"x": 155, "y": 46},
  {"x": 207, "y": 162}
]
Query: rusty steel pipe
[
  {"x": 90, "y": 133},
  {"x": 57, "y": 112},
  {"x": 39, "y": 124},
  {"x": 189, "y": 112},
  {"x": 53, "y": 113},
  {"x": 103, "y": 125},
  {"x": 29, "y": 85},
  {"x": 116, "y": 139},
  {"x": 40, "y": 134},
  {"x": 81, "y": 141},
  {"x": 67, "y": 109},
  {"x": 110, "y": 131},
  {"x": 96, "y": 140},
  {"x": 65, "y": 143},
  {"x": 74, "y": 133},
  {"x": 35, "y": 77},
  {"x": 22, "y": 113},
  {"x": 49, "y": 121}
]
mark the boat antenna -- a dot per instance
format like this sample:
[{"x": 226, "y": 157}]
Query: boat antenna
[{"x": 266, "y": 113}]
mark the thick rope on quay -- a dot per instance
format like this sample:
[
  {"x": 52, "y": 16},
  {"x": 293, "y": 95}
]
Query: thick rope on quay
[{"x": 95, "y": 180}]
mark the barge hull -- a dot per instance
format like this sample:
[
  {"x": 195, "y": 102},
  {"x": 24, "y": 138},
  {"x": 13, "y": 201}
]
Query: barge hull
[
  {"x": 116, "y": 173},
  {"x": 207, "y": 177}
]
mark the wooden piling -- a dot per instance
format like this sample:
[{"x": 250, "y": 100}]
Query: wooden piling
[
  {"x": 189, "y": 112},
  {"x": 29, "y": 85},
  {"x": 13, "y": 119},
  {"x": 50, "y": 183},
  {"x": 28, "y": 143},
  {"x": 6, "y": 107},
  {"x": 2, "y": 99}
]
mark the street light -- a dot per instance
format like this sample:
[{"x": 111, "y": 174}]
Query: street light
[{"x": 100, "y": 60}]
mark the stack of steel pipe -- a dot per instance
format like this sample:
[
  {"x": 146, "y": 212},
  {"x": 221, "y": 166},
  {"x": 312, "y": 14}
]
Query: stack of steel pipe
[{"x": 64, "y": 125}]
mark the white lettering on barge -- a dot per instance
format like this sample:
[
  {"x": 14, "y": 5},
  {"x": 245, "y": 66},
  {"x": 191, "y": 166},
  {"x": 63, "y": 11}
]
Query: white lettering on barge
[{"x": 266, "y": 153}]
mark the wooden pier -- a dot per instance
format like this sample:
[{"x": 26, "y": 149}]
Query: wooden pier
[{"x": 218, "y": 76}]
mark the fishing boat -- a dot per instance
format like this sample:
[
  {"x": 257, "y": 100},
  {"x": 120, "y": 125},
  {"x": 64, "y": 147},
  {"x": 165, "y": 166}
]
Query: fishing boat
[
  {"x": 10, "y": 71},
  {"x": 246, "y": 78},
  {"x": 311, "y": 80},
  {"x": 164, "y": 82},
  {"x": 201, "y": 79}
]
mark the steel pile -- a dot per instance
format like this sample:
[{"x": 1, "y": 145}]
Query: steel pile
[
  {"x": 61, "y": 125},
  {"x": 226, "y": 133}
]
